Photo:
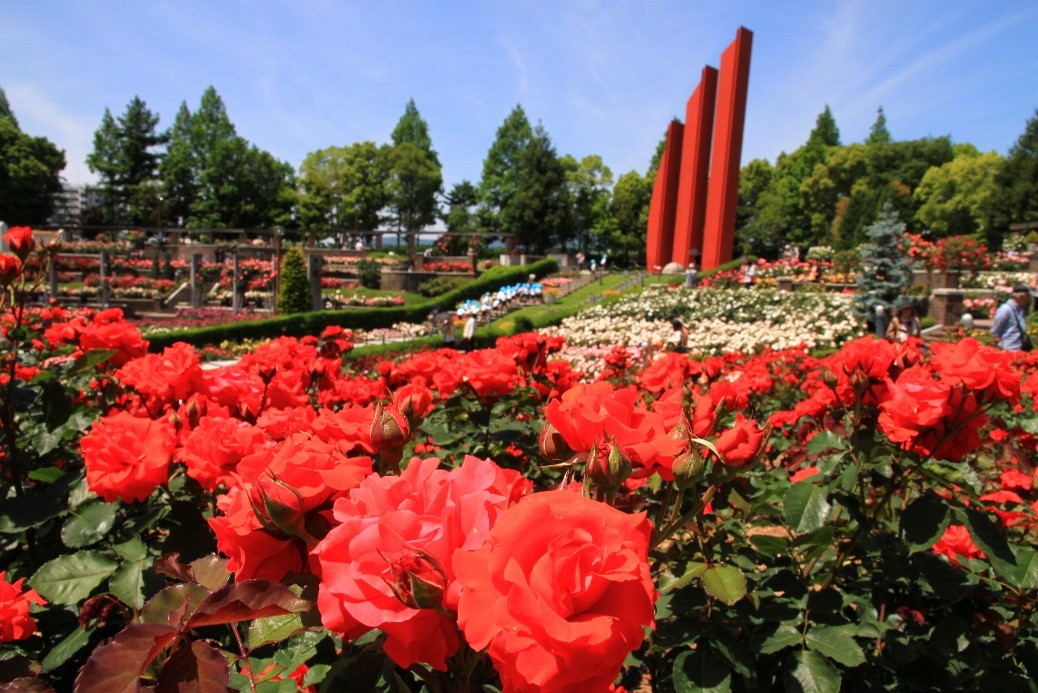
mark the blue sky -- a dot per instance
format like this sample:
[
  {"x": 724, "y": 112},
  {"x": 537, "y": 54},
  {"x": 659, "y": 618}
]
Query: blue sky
[{"x": 602, "y": 77}]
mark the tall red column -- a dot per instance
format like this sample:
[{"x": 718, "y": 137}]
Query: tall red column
[
  {"x": 662, "y": 206},
  {"x": 733, "y": 84},
  {"x": 695, "y": 163}
]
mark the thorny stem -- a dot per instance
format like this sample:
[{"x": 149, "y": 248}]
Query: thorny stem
[{"x": 244, "y": 658}]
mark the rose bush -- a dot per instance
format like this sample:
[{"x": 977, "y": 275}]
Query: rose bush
[{"x": 763, "y": 518}]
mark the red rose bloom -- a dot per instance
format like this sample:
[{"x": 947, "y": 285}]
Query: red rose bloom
[
  {"x": 19, "y": 239},
  {"x": 740, "y": 444},
  {"x": 164, "y": 378},
  {"x": 396, "y": 528},
  {"x": 559, "y": 593},
  {"x": 15, "y": 621},
  {"x": 119, "y": 335},
  {"x": 215, "y": 447},
  {"x": 127, "y": 457},
  {"x": 956, "y": 542},
  {"x": 10, "y": 267}
]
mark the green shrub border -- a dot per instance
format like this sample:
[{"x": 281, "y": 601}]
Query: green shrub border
[{"x": 313, "y": 323}]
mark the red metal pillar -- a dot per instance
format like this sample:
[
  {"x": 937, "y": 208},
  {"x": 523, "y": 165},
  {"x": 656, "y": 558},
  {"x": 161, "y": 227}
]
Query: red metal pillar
[
  {"x": 733, "y": 84},
  {"x": 695, "y": 164},
  {"x": 660, "y": 233}
]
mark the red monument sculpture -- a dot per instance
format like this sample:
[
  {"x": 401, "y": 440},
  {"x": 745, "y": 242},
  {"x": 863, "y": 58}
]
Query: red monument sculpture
[{"x": 692, "y": 211}]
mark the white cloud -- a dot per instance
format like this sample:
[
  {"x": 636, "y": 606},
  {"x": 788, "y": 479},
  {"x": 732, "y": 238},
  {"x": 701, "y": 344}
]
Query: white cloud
[{"x": 39, "y": 116}]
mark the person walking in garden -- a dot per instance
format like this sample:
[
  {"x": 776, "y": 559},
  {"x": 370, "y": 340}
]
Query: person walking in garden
[
  {"x": 749, "y": 272},
  {"x": 1009, "y": 328},
  {"x": 905, "y": 323}
]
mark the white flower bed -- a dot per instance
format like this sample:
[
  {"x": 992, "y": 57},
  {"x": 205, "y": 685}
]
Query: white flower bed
[{"x": 718, "y": 320}]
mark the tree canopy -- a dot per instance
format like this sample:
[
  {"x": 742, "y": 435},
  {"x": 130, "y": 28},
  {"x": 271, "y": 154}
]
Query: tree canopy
[{"x": 30, "y": 172}]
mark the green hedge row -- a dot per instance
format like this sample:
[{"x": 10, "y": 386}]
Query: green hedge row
[{"x": 313, "y": 323}]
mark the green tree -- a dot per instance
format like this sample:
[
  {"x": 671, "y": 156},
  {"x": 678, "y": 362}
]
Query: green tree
[
  {"x": 502, "y": 168},
  {"x": 952, "y": 197},
  {"x": 126, "y": 158},
  {"x": 825, "y": 131},
  {"x": 1015, "y": 198},
  {"x": 460, "y": 215},
  {"x": 537, "y": 211},
  {"x": 886, "y": 271},
  {"x": 878, "y": 133},
  {"x": 293, "y": 285},
  {"x": 623, "y": 231},
  {"x": 214, "y": 178},
  {"x": 589, "y": 182},
  {"x": 177, "y": 171},
  {"x": 30, "y": 172},
  {"x": 415, "y": 175},
  {"x": 5, "y": 109}
]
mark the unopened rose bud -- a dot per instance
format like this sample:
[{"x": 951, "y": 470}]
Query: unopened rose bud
[
  {"x": 419, "y": 580},
  {"x": 689, "y": 465},
  {"x": 276, "y": 516},
  {"x": 859, "y": 382},
  {"x": 829, "y": 378},
  {"x": 607, "y": 466},
  {"x": 389, "y": 429},
  {"x": 552, "y": 445}
]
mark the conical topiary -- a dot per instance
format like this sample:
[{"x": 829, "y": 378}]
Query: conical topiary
[{"x": 293, "y": 285}]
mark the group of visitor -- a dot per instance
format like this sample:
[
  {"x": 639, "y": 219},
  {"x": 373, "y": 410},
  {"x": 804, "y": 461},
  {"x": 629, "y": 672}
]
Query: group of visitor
[{"x": 491, "y": 304}]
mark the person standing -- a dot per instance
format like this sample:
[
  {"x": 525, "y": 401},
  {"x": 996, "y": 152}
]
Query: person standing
[
  {"x": 690, "y": 275},
  {"x": 905, "y": 324},
  {"x": 749, "y": 272},
  {"x": 468, "y": 333},
  {"x": 1009, "y": 328},
  {"x": 679, "y": 338}
]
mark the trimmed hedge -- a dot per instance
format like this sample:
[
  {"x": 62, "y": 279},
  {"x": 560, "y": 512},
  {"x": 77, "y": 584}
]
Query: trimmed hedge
[{"x": 313, "y": 323}]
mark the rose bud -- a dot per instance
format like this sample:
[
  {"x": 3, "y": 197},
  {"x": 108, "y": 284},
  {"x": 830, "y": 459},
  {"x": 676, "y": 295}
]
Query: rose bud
[
  {"x": 552, "y": 445},
  {"x": 276, "y": 516},
  {"x": 606, "y": 465},
  {"x": 419, "y": 580},
  {"x": 389, "y": 429},
  {"x": 10, "y": 268},
  {"x": 689, "y": 465}
]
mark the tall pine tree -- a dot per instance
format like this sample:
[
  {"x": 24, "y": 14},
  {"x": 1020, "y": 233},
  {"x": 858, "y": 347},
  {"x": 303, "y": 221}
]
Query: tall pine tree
[{"x": 886, "y": 270}]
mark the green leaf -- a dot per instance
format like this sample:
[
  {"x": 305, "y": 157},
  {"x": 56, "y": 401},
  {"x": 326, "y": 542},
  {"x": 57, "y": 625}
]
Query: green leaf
[
  {"x": 70, "y": 579},
  {"x": 835, "y": 644},
  {"x": 987, "y": 535},
  {"x": 725, "y": 583},
  {"x": 128, "y": 582},
  {"x": 273, "y": 629},
  {"x": 695, "y": 569},
  {"x": 60, "y": 653},
  {"x": 824, "y": 441},
  {"x": 699, "y": 670},
  {"x": 88, "y": 523},
  {"x": 47, "y": 475},
  {"x": 806, "y": 507},
  {"x": 810, "y": 672},
  {"x": 784, "y": 636},
  {"x": 133, "y": 550},
  {"x": 91, "y": 358},
  {"x": 923, "y": 522},
  {"x": 1024, "y": 576}
]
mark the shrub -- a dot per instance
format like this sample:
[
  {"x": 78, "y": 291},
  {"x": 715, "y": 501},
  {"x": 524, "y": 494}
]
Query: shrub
[
  {"x": 438, "y": 286},
  {"x": 294, "y": 287},
  {"x": 370, "y": 274}
]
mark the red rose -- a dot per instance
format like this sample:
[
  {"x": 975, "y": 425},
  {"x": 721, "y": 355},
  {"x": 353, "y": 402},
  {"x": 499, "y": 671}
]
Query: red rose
[
  {"x": 19, "y": 239},
  {"x": 164, "y": 378},
  {"x": 10, "y": 267},
  {"x": 740, "y": 444},
  {"x": 127, "y": 457},
  {"x": 398, "y": 533},
  {"x": 15, "y": 621},
  {"x": 559, "y": 593},
  {"x": 983, "y": 369},
  {"x": 119, "y": 335},
  {"x": 955, "y": 542},
  {"x": 215, "y": 447}
]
